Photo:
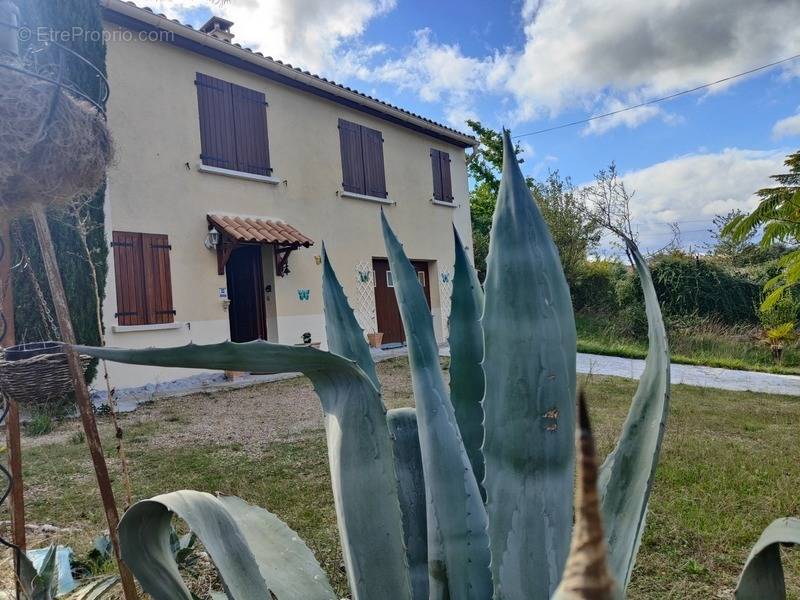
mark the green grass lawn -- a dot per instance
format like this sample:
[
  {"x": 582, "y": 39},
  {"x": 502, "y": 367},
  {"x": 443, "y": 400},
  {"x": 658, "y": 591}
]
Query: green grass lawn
[
  {"x": 730, "y": 465},
  {"x": 713, "y": 346}
]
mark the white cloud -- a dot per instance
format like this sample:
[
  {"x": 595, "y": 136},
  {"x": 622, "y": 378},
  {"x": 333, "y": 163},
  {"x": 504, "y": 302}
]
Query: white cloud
[
  {"x": 440, "y": 72},
  {"x": 306, "y": 33},
  {"x": 694, "y": 188},
  {"x": 790, "y": 126},
  {"x": 580, "y": 52}
]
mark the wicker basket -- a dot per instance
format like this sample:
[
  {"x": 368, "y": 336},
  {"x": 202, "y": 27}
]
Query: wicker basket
[{"x": 42, "y": 379}]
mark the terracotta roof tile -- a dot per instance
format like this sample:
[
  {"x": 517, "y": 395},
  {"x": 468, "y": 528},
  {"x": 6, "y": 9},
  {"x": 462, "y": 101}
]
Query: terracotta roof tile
[{"x": 263, "y": 231}]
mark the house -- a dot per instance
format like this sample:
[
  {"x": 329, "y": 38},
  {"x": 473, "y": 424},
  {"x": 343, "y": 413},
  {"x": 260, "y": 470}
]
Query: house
[{"x": 233, "y": 168}]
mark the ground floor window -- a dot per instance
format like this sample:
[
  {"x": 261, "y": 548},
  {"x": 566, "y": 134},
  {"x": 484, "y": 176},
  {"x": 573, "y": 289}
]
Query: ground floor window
[{"x": 143, "y": 279}]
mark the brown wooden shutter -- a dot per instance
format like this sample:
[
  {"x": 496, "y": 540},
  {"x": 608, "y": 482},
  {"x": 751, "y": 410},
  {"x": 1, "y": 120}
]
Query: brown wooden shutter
[
  {"x": 129, "y": 278},
  {"x": 217, "y": 132},
  {"x": 436, "y": 167},
  {"x": 250, "y": 126},
  {"x": 352, "y": 157},
  {"x": 157, "y": 278},
  {"x": 374, "y": 174},
  {"x": 447, "y": 185}
]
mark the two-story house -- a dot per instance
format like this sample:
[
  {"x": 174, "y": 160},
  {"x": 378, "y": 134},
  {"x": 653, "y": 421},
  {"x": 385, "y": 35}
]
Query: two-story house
[{"x": 233, "y": 168}]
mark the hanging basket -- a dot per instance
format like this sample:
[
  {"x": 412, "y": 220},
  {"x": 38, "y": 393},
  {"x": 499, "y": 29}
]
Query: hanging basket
[
  {"x": 54, "y": 146},
  {"x": 36, "y": 374}
]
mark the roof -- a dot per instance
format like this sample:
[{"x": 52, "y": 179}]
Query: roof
[
  {"x": 260, "y": 231},
  {"x": 131, "y": 16}
]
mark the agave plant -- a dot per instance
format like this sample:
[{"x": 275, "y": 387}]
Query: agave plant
[
  {"x": 42, "y": 583},
  {"x": 470, "y": 494}
]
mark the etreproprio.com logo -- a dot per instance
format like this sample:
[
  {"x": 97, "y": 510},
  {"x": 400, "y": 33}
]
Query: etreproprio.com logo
[{"x": 80, "y": 34}]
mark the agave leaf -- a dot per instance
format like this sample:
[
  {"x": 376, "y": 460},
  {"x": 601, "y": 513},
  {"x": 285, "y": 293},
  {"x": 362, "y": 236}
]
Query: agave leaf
[
  {"x": 359, "y": 448},
  {"x": 626, "y": 476},
  {"x": 411, "y": 485},
  {"x": 762, "y": 576},
  {"x": 454, "y": 500},
  {"x": 529, "y": 405},
  {"x": 345, "y": 336},
  {"x": 144, "y": 533},
  {"x": 96, "y": 589},
  {"x": 466, "y": 354},
  {"x": 41, "y": 584},
  {"x": 286, "y": 562}
]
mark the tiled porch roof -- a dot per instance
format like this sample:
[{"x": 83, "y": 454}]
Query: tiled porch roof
[{"x": 262, "y": 231}]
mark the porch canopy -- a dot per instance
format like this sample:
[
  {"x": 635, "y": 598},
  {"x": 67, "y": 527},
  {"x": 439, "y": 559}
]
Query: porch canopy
[{"x": 236, "y": 230}]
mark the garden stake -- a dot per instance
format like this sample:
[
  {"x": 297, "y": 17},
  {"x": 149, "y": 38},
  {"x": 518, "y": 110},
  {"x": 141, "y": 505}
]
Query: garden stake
[
  {"x": 7, "y": 334},
  {"x": 81, "y": 392}
]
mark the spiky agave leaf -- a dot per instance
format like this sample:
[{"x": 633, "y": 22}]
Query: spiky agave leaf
[
  {"x": 411, "y": 486},
  {"x": 344, "y": 334},
  {"x": 255, "y": 552},
  {"x": 346, "y": 338},
  {"x": 627, "y": 474},
  {"x": 762, "y": 576},
  {"x": 359, "y": 448},
  {"x": 466, "y": 355},
  {"x": 458, "y": 548},
  {"x": 586, "y": 575},
  {"x": 529, "y": 405}
]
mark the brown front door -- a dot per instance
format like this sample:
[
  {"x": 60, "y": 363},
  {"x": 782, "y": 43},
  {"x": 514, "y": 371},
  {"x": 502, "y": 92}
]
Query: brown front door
[
  {"x": 245, "y": 278},
  {"x": 387, "y": 311}
]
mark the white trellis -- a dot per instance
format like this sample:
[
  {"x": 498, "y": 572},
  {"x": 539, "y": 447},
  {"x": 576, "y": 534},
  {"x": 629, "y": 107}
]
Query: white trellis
[
  {"x": 445, "y": 293},
  {"x": 365, "y": 297}
]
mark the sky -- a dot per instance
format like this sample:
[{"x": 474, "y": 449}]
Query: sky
[{"x": 533, "y": 64}]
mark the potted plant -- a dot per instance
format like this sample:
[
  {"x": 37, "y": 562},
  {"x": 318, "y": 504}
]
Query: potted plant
[{"x": 375, "y": 339}]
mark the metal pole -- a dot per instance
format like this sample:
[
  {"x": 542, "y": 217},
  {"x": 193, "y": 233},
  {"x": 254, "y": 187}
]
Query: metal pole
[
  {"x": 12, "y": 418},
  {"x": 81, "y": 392}
]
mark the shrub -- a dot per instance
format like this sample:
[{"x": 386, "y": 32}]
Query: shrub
[
  {"x": 595, "y": 287},
  {"x": 689, "y": 285}
]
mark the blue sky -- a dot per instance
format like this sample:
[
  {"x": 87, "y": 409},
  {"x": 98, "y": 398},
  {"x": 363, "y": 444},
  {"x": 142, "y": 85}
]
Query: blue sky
[{"x": 531, "y": 64}]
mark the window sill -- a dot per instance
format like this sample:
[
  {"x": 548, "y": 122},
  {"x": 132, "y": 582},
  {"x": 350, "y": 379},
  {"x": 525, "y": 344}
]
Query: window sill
[
  {"x": 443, "y": 203},
  {"x": 367, "y": 198},
  {"x": 238, "y": 174},
  {"x": 154, "y": 327}
]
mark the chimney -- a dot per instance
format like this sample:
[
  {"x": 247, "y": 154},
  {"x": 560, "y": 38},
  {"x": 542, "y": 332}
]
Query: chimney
[{"x": 219, "y": 28}]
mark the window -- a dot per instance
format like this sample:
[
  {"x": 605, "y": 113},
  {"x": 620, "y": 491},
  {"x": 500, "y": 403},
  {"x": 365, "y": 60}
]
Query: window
[
  {"x": 233, "y": 126},
  {"x": 143, "y": 279},
  {"x": 442, "y": 186},
  {"x": 389, "y": 279},
  {"x": 421, "y": 277},
  {"x": 362, "y": 160}
]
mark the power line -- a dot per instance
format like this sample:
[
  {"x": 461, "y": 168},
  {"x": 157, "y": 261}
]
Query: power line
[{"x": 661, "y": 99}]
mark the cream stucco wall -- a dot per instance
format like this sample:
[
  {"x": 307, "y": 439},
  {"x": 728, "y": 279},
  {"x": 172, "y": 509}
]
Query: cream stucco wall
[{"x": 156, "y": 187}]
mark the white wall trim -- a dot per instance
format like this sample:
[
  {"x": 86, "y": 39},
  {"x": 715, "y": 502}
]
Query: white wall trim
[
  {"x": 364, "y": 197},
  {"x": 238, "y": 174},
  {"x": 154, "y": 327},
  {"x": 443, "y": 203}
]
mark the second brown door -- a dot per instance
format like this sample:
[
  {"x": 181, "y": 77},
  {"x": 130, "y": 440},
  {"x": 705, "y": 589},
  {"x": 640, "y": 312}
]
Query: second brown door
[{"x": 387, "y": 311}]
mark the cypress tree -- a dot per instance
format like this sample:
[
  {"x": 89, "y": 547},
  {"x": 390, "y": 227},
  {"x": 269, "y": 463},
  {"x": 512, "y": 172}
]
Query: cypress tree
[{"x": 43, "y": 16}]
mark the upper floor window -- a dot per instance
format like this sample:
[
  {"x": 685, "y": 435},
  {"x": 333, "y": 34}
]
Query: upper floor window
[
  {"x": 442, "y": 185},
  {"x": 362, "y": 160},
  {"x": 143, "y": 278},
  {"x": 233, "y": 126}
]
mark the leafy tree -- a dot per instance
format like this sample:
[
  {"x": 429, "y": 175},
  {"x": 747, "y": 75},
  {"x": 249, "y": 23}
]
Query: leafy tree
[
  {"x": 723, "y": 243},
  {"x": 778, "y": 214},
  {"x": 574, "y": 232}
]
